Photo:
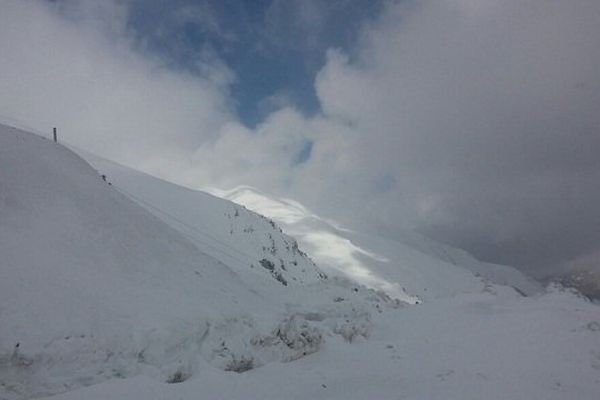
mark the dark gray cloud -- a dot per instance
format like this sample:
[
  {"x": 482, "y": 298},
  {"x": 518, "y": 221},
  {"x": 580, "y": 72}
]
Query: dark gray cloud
[{"x": 486, "y": 111}]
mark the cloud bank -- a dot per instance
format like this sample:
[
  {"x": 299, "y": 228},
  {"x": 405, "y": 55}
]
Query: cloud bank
[
  {"x": 486, "y": 112},
  {"x": 475, "y": 122},
  {"x": 73, "y": 65}
]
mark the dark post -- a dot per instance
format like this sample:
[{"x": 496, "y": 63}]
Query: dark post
[{"x": 54, "y": 132}]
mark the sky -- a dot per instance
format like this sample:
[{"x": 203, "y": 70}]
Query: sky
[{"x": 474, "y": 122}]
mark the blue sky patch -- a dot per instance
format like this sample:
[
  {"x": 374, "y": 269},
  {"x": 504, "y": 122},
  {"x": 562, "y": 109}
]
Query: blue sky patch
[
  {"x": 304, "y": 154},
  {"x": 270, "y": 45}
]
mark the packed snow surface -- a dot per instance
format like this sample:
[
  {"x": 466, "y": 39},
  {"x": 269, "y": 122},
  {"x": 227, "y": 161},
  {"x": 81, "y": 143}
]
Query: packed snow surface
[
  {"x": 490, "y": 345},
  {"x": 124, "y": 286}
]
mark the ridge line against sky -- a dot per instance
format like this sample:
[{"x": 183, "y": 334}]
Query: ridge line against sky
[{"x": 474, "y": 122}]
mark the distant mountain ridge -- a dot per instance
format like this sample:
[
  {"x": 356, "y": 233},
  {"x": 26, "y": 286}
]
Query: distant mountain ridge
[{"x": 407, "y": 267}]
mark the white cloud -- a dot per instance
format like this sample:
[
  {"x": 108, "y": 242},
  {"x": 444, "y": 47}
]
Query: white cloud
[{"x": 82, "y": 75}]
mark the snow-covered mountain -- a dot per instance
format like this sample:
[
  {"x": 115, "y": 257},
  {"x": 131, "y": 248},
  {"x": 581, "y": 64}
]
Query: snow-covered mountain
[
  {"x": 115, "y": 284},
  {"x": 413, "y": 265},
  {"x": 411, "y": 270},
  {"x": 585, "y": 279}
]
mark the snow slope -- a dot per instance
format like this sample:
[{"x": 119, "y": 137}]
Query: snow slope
[
  {"x": 226, "y": 231},
  {"x": 412, "y": 270},
  {"x": 414, "y": 264},
  {"x": 93, "y": 286}
]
